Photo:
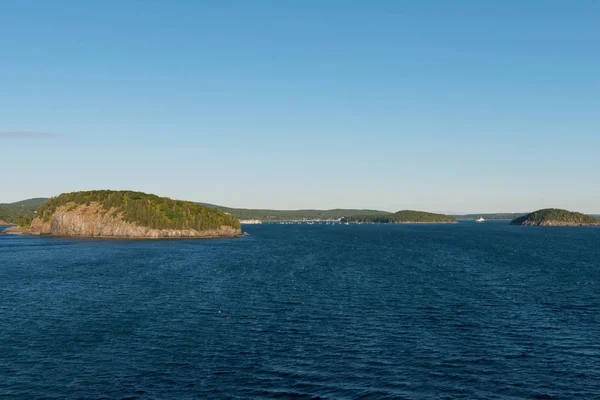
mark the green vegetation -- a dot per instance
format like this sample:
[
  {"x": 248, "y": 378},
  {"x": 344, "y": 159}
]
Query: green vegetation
[
  {"x": 28, "y": 209},
  {"x": 144, "y": 209},
  {"x": 288, "y": 215},
  {"x": 402, "y": 217},
  {"x": 266, "y": 215},
  {"x": 21, "y": 212},
  {"x": 555, "y": 216},
  {"x": 491, "y": 216}
]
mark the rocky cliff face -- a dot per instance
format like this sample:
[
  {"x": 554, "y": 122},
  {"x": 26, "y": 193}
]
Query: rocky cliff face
[{"x": 93, "y": 221}]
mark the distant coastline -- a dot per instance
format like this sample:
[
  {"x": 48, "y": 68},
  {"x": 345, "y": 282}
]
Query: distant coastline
[
  {"x": 24, "y": 212},
  {"x": 403, "y": 217}
]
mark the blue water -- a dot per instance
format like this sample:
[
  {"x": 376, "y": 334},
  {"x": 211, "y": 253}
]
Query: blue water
[{"x": 487, "y": 311}]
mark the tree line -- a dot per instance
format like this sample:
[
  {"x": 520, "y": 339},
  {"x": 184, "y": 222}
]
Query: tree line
[
  {"x": 404, "y": 216},
  {"x": 144, "y": 209}
]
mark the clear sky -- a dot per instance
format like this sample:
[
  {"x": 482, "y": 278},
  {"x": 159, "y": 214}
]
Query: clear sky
[{"x": 452, "y": 106}]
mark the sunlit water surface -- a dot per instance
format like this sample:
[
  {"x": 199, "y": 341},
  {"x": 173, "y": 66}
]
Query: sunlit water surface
[{"x": 295, "y": 311}]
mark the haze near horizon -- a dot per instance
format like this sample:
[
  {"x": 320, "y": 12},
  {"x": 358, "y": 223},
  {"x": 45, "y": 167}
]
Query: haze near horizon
[{"x": 459, "y": 107}]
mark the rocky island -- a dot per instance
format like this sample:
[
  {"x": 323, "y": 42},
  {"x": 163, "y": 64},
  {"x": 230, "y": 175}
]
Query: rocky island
[
  {"x": 403, "y": 217},
  {"x": 556, "y": 217},
  {"x": 126, "y": 214}
]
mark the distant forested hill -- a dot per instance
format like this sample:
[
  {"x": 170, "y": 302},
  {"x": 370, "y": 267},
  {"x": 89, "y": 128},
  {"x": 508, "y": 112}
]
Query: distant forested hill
[
  {"x": 15, "y": 212},
  {"x": 490, "y": 216},
  {"x": 404, "y": 217},
  {"x": 283, "y": 215}
]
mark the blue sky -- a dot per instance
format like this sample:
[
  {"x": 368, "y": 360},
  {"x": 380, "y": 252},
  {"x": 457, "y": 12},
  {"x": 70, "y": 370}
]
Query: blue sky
[{"x": 464, "y": 106}]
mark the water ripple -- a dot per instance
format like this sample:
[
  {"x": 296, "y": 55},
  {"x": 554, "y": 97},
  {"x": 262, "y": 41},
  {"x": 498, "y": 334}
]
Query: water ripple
[{"x": 468, "y": 311}]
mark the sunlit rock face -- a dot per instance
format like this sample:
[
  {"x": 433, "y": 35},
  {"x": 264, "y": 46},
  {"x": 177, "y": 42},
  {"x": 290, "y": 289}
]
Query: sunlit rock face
[{"x": 92, "y": 221}]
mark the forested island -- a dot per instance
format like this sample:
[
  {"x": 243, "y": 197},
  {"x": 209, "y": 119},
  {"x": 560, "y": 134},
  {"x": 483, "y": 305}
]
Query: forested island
[
  {"x": 127, "y": 214},
  {"x": 556, "y": 217},
  {"x": 403, "y": 217}
]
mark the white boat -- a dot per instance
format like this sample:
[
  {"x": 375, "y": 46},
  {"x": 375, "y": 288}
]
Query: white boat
[{"x": 480, "y": 219}]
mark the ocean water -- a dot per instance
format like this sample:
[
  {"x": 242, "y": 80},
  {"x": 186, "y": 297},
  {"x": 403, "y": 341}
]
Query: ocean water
[{"x": 465, "y": 311}]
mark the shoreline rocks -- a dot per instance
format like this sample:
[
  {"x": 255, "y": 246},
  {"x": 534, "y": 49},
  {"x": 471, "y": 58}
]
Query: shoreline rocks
[{"x": 92, "y": 222}]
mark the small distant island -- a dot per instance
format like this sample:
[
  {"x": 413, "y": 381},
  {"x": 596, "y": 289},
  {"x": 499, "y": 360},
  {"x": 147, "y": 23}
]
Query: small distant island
[
  {"x": 125, "y": 214},
  {"x": 556, "y": 217},
  {"x": 402, "y": 217}
]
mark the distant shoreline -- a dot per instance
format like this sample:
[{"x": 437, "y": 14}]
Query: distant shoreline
[{"x": 487, "y": 220}]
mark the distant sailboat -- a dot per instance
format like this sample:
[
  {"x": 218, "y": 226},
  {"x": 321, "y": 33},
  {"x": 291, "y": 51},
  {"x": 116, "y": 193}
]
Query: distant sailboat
[{"x": 480, "y": 219}]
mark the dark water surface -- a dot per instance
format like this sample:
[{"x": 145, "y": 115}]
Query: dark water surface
[{"x": 466, "y": 311}]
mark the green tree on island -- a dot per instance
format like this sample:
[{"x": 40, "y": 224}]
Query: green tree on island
[{"x": 144, "y": 209}]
